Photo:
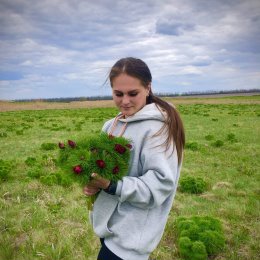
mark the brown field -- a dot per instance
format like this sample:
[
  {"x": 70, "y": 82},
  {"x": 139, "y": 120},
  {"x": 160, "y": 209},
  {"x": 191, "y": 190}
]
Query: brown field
[{"x": 205, "y": 99}]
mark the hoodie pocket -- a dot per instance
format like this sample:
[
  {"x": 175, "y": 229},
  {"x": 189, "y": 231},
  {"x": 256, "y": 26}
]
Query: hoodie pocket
[{"x": 103, "y": 209}]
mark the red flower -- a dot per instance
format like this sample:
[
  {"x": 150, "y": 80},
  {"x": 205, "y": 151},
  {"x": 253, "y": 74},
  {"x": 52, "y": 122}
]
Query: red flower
[
  {"x": 116, "y": 170},
  {"x": 129, "y": 146},
  {"x": 120, "y": 148},
  {"x": 71, "y": 143},
  {"x": 101, "y": 164},
  {"x": 77, "y": 169},
  {"x": 61, "y": 145}
]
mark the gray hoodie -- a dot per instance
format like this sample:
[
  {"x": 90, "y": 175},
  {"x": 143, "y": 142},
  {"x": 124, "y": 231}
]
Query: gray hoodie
[{"x": 132, "y": 221}]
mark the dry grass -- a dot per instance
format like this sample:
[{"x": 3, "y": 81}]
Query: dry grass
[
  {"x": 206, "y": 99},
  {"x": 38, "y": 105}
]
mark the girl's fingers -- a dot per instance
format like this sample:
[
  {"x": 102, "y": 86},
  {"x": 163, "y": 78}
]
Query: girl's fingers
[
  {"x": 89, "y": 190},
  {"x": 98, "y": 181}
]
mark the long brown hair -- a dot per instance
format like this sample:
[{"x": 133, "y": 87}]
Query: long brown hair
[{"x": 138, "y": 69}]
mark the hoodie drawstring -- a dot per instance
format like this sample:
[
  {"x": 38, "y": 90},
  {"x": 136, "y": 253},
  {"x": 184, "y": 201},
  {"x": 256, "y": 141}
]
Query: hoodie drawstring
[{"x": 114, "y": 126}]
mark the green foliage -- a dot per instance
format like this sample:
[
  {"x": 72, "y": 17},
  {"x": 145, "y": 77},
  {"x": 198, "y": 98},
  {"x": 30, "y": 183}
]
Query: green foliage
[
  {"x": 194, "y": 146},
  {"x": 192, "y": 250},
  {"x": 213, "y": 240},
  {"x": 35, "y": 172},
  {"x": 49, "y": 179},
  {"x": 199, "y": 237},
  {"x": 3, "y": 134},
  {"x": 191, "y": 184},
  {"x": 48, "y": 146},
  {"x": 30, "y": 161},
  {"x": 35, "y": 216},
  {"x": 98, "y": 153},
  {"x": 231, "y": 138},
  {"x": 19, "y": 132},
  {"x": 209, "y": 137},
  {"x": 5, "y": 168},
  {"x": 58, "y": 178},
  {"x": 218, "y": 143}
]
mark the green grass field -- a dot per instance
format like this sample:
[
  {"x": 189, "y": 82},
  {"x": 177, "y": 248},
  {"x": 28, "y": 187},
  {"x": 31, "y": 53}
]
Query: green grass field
[{"x": 50, "y": 222}]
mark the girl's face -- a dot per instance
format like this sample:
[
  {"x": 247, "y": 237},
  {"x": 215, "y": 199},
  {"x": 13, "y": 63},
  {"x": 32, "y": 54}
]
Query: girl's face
[{"x": 129, "y": 94}]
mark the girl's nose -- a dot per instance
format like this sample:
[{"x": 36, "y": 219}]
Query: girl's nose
[{"x": 125, "y": 99}]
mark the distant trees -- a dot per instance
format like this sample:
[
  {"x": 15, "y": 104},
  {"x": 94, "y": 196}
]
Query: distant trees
[{"x": 191, "y": 93}]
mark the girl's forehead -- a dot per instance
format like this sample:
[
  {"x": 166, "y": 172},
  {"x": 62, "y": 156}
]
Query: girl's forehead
[{"x": 126, "y": 82}]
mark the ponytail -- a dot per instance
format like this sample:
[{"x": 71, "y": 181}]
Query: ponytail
[{"x": 174, "y": 125}]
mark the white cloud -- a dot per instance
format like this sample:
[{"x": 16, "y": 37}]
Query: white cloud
[{"x": 63, "y": 47}]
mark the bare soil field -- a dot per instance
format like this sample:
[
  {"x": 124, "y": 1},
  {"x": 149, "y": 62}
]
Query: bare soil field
[{"x": 203, "y": 99}]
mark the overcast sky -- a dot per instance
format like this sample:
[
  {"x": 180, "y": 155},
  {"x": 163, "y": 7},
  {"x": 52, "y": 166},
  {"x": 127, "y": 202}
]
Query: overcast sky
[{"x": 65, "y": 48}]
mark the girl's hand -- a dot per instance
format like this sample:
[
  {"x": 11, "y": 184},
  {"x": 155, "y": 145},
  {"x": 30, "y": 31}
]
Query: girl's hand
[
  {"x": 99, "y": 182},
  {"x": 95, "y": 185},
  {"x": 89, "y": 190}
]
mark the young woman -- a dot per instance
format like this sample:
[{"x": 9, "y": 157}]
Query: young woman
[{"x": 130, "y": 216}]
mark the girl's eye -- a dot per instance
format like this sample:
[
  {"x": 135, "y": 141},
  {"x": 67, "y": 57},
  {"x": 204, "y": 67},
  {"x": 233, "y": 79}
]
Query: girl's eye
[
  {"x": 133, "y": 94},
  {"x": 119, "y": 94}
]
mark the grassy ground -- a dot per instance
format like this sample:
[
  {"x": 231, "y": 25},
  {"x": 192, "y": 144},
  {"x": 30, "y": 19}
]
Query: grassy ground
[{"x": 38, "y": 221}]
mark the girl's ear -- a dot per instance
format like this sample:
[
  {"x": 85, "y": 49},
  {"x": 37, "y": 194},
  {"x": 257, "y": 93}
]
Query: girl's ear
[{"x": 149, "y": 89}]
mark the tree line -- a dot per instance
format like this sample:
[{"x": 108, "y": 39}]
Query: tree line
[{"x": 94, "y": 98}]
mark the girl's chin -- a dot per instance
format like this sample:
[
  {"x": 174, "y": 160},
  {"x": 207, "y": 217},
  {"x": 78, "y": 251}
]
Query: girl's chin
[{"x": 127, "y": 112}]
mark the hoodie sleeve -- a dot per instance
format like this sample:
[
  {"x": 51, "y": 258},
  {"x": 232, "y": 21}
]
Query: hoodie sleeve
[
  {"x": 158, "y": 179},
  {"x": 107, "y": 125}
]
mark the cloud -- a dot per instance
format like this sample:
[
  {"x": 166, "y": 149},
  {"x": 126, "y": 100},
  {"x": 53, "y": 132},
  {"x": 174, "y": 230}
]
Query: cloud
[
  {"x": 169, "y": 27},
  {"x": 66, "y": 47}
]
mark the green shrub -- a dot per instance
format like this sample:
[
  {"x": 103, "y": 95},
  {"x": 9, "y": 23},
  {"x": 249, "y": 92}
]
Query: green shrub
[
  {"x": 19, "y": 132},
  {"x": 199, "y": 237},
  {"x": 5, "y": 168},
  {"x": 3, "y": 134},
  {"x": 64, "y": 180},
  {"x": 50, "y": 178},
  {"x": 218, "y": 143},
  {"x": 194, "y": 146},
  {"x": 34, "y": 172},
  {"x": 209, "y": 137},
  {"x": 192, "y": 250},
  {"x": 192, "y": 185},
  {"x": 231, "y": 138},
  {"x": 48, "y": 146},
  {"x": 213, "y": 241},
  {"x": 30, "y": 161}
]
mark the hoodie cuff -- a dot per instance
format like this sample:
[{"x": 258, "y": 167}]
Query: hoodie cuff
[
  {"x": 111, "y": 189},
  {"x": 119, "y": 188}
]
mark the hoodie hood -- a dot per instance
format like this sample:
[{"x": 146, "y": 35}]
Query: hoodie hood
[{"x": 148, "y": 112}]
